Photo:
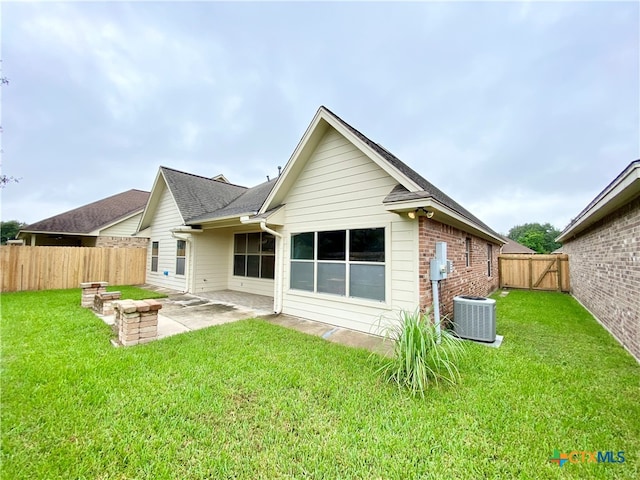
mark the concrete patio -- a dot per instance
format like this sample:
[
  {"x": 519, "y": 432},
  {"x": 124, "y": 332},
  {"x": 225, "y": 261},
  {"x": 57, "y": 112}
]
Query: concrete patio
[{"x": 183, "y": 312}]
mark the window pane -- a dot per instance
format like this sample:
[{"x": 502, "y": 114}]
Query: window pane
[
  {"x": 154, "y": 264},
  {"x": 367, "y": 281},
  {"x": 268, "y": 243},
  {"x": 302, "y": 276},
  {"x": 302, "y": 246},
  {"x": 180, "y": 265},
  {"x": 253, "y": 266},
  {"x": 366, "y": 245},
  {"x": 253, "y": 243},
  {"x": 240, "y": 244},
  {"x": 154, "y": 248},
  {"x": 182, "y": 246},
  {"x": 268, "y": 262},
  {"x": 331, "y": 278},
  {"x": 331, "y": 245},
  {"x": 239, "y": 265}
]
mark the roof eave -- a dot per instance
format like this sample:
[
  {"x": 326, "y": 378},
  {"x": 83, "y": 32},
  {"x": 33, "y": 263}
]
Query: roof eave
[
  {"x": 624, "y": 189},
  {"x": 443, "y": 214}
]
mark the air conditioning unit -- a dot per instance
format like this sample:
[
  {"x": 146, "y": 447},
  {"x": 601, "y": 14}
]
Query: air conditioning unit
[{"x": 474, "y": 318}]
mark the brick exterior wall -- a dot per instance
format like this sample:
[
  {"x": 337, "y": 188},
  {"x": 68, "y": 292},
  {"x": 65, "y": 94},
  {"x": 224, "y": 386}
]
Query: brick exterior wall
[
  {"x": 472, "y": 280},
  {"x": 129, "y": 242},
  {"x": 604, "y": 265}
]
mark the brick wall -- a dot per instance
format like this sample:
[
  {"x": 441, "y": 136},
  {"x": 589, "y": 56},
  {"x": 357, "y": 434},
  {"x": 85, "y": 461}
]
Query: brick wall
[
  {"x": 121, "y": 242},
  {"x": 472, "y": 280},
  {"x": 604, "y": 264}
]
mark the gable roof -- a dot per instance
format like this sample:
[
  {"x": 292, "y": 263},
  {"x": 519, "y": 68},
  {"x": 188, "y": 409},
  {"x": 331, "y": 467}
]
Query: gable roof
[
  {"x": 197, "y": 196},
  {"x": 201, "y": 199},
  {"x": 624, "y": 188},
  {"x": 412, "y": 190},
  {"x": 91, "y": 218},
  {"x": 248, "y": 202}
]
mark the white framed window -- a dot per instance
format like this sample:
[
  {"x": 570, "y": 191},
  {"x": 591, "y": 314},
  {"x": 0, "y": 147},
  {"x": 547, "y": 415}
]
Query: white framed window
[
  {"x": 155, "y": 247},
  {"x": 348, "y": 263},
  {"x": 254, "y": 255},
  {"x": 489, "y": 258},
  {"x": 181, "y": 256}
]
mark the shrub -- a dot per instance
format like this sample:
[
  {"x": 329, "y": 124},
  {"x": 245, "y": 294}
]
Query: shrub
[{"x": 418, "y": 358}]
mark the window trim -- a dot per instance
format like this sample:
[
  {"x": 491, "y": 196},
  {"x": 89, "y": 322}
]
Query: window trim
[
  {"x": 155, "y": 245},
  {"x": 261, "y": 254},
  {"x": 183, "y": 257},
  {"x": 489, "y": 260},
  {"x": 346, "y": 297}
]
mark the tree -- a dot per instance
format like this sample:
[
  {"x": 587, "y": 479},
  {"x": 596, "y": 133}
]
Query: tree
[
  {"x": 9, "y": 230},
  {"x": 541, "y": 238},
  {"x": 5, "y": 179}
]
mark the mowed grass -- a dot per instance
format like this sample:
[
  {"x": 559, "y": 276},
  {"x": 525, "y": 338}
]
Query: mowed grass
[{"x": 254, "y": 400}]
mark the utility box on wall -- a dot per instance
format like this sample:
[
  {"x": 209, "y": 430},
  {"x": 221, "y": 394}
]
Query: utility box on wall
[{"x": 439, "y": 266}]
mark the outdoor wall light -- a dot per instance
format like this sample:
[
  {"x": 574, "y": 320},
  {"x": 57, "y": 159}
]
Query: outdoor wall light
[{"x": 413, "y": 214}]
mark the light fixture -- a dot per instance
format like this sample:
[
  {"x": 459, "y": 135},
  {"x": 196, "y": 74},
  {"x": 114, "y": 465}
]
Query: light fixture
[{"x": 413, "y": 214}]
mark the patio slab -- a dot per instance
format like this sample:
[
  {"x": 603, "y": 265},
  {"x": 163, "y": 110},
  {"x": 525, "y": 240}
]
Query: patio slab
[{"x": 183, "y": 312}]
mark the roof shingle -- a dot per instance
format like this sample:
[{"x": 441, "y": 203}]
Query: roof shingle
[{"x": 93, "y": 216}]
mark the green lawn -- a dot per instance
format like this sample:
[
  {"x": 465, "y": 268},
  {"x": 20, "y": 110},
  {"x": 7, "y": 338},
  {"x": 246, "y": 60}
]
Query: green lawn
[{"x": 254, "y": 400}]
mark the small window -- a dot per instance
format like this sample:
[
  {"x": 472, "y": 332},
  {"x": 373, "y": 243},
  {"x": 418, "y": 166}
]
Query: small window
[
  {"x": 467, "y": 252},
  {"x": 155, "y": 246},
  {"x": 489, "y": 258},
  {"x": 181, "y": 257}
]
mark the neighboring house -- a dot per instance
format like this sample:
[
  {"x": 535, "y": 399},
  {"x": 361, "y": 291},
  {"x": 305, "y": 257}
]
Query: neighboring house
[
  {"x": 512, "y": 247},
  {"x": 109, "y": 222},
  {"x": 344, "y": 235},
  {"x": 603, "y": 243}
]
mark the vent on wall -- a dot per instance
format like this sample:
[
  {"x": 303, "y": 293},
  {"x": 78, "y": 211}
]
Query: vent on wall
[{"x": 474, "y": 318}]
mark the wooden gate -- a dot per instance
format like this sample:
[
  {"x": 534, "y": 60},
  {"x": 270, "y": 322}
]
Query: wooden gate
[{"x": 534, "y": 272}]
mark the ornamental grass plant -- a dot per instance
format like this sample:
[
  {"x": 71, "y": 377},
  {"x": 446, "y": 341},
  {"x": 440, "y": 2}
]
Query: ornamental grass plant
[{"x": 422, "y": 355}]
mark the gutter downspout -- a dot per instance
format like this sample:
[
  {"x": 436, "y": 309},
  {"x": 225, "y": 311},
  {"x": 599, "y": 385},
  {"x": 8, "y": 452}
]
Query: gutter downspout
[
  {"x": 186, "y": 234},
  {"x": 279, "y": 267},
  {"x": 277, "y": 300}
]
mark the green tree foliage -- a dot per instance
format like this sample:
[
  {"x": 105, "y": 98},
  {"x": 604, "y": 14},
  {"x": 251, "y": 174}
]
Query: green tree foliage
[
  {"x": 9, "y": 230},
  {"x": 541, "y": 238}
]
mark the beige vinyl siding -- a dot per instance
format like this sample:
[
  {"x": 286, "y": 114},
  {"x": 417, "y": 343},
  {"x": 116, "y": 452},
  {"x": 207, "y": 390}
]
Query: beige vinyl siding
[
  {"x": 166, "y": 218},
  {"x": 340, "y": 188},
  {"x": 212, "y": 266},
  {"x": 125, "y": 228}
]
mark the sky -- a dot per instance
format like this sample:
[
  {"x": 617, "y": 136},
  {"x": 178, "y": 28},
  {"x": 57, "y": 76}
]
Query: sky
[{"x": 522, "y": 111}]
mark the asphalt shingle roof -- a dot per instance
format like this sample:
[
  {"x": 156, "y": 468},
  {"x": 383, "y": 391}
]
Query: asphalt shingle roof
[
  {"x": 199, "y": 197},
  {"x": 248, "y": 202},
  {"x": 93, "y": 216}
]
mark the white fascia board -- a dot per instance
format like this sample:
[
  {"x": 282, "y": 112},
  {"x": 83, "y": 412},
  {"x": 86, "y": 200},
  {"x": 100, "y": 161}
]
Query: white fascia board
[
  {"x": 444, "y": 215},
  {"x": 610, "y": 199},
  {"x": 323, "y": 116},
  {"x": 153, "y": 202},
  {"x": 373, "y": 155}
]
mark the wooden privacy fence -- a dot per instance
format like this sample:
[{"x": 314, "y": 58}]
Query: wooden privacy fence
[
  {"x": 534, "y": 272},
  {"x": 44, "y": 268}
]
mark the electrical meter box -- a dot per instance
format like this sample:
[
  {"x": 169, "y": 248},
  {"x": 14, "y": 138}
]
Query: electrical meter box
[{"x": 440, "y": 267}]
